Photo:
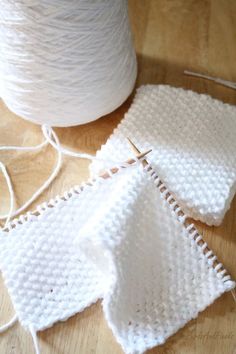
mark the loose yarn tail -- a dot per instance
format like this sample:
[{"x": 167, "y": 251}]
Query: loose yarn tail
[
  {"x": 50, "y": 135},
  {"x": 44, "y": 186},
  {"x": 52, "y": 139},
  {"x": 11, "y": 193},
  {"x": 211, "y": 78},
  {"x": 35, "y": 339},
  {"x": 9, "y": 324},
  {"x": 11, "y": 214},
  {"x": 24, "y": 148}
]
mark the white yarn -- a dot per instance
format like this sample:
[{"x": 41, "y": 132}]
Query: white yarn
[
  {"x": 52, "y": 139},
  {"x": 35, "y": 339},
  {"x": 65, "y": 63},
  {"x": 11, "y": 193},
  {"x": 9, "y": 183},
  {"x": 9, "y": 324},
  {"x": 218, "y": 80}
]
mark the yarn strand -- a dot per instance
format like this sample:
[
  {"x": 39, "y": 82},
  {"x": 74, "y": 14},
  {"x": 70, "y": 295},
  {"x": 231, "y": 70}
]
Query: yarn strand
[
  {"x": 52, "y": 139},
  {"x": 35, "y": 339},
  {"x": 226, "y": 83},
  {"x": 11, "y": 193},
  {"x": 47, "y": 131},
  {"x": 24, "y": 148},
  {"x": 40, "y": 190},
  {"x": 9, "y": 324}
]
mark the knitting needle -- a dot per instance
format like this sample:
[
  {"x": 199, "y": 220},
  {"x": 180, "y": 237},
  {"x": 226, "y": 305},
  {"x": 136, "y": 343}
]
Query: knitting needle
[
  {"x": 180, "y": 213},
  {"x": 136, "y": 150},
  {"x": 114, "y": 170}
]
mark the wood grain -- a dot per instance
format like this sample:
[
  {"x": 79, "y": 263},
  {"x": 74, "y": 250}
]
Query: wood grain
[{"x": 170, "y": 36}]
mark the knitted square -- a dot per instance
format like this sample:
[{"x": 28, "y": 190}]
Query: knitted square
[
  {"x": 159, "y": 274},
  {"x": 193, "y": 138},
  {"x": 118, "y": 239},
  {"x": 47, "y": 279}
]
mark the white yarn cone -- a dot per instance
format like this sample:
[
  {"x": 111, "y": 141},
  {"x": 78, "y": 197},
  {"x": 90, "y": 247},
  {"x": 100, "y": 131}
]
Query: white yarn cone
[{"x": 65, "y": 63}]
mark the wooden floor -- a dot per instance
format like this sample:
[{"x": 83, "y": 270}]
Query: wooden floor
[{"x": 170, "y": 36}]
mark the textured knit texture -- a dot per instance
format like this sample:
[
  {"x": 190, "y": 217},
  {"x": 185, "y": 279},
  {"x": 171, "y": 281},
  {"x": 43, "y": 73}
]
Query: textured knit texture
[
  {"x": 118, "y": 240},
  {"x": 193, "y": 142},
  {"x": 47, "y": 278}
]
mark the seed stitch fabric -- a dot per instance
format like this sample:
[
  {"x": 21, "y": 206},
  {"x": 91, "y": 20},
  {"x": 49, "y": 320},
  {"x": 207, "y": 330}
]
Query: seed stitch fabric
[
  {"x": 118, "y": 240},
  {"x": 194, "y": 146},
  {"x": 48, "y": 280}
]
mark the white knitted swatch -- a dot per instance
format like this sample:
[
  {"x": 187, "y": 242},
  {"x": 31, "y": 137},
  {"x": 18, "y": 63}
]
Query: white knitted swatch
[
  {"x": 193, "y": 138},
  {"x": 119, "y": 240},
  {"x": 47, "y": 278}
]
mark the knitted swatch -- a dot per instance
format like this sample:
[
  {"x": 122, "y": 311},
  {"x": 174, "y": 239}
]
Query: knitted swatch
[
  {"x": 48, "y": 280},
  {"x": 118, "y": 239},
  {"x": 194, "y": 146}
]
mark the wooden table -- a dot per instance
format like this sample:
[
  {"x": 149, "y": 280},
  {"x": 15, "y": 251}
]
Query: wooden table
[{"x": 170, "y": 36}]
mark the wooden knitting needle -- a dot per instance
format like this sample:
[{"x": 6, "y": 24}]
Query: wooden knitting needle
[
  {"x": 113, "y": 170},
  {"x": 136, "y": 150}
]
